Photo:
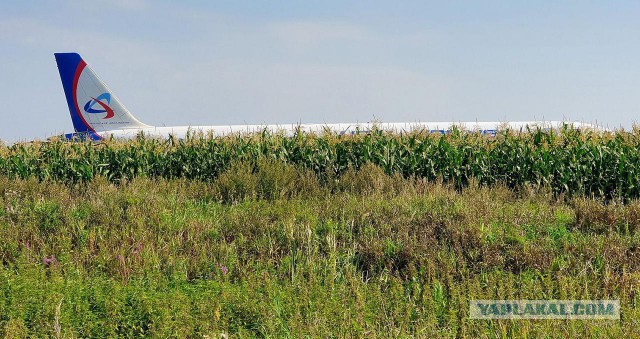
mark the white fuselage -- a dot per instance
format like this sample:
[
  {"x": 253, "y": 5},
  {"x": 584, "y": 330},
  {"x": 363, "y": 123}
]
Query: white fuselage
[
  {"x": 343, "y": 128},
  {"x": 97, "y": 113}
]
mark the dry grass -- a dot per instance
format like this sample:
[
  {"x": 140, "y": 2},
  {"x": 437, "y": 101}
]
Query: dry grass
[{"x": 270, "y": 249}]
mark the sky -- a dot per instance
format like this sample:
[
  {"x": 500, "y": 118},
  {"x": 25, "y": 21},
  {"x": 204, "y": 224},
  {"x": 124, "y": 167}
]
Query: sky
[{"x": 268, "y": 62}]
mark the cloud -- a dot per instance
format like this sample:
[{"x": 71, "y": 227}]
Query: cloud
[
  {"x": 288, "y": 93},
  {"x": 316, "y": 32},
  {"x": 35, "y": 41},
  {"x": 176, "y": 64},
  {"x": 230, "y": 74},
  {"x": 128, "y": 5}
]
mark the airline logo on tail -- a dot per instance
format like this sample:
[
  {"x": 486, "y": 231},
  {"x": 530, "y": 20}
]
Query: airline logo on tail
[
  {"x": 94, "y": 108},
  {"x": 88, "y": 107}
]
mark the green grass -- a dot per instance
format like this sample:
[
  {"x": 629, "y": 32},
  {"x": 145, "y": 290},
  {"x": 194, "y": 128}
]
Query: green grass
[
  {"x": 569, "y": 162},
  {"x": 273, "y": 249}
]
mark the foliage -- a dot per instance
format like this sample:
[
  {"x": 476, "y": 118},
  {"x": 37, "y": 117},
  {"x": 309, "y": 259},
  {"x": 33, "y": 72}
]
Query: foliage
[
  {"x": 269, "y": 249},
  {"x": 571, "y": 162},
  {"x": 322, "y": 236}
]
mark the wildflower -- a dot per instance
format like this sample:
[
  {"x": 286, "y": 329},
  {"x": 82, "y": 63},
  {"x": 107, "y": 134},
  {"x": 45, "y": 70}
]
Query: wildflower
[
  {"x": 223, "y": 269},
  {"x": 137, "y": 249},
  {"x": 48, "y": 261}
]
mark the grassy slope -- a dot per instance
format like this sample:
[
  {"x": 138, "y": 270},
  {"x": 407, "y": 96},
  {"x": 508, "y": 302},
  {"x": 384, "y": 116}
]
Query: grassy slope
[{"x": 277, "y": 253}]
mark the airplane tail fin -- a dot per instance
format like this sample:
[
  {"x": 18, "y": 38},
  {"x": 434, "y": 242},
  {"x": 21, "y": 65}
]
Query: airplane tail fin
[{"x": 93, "y": 106}]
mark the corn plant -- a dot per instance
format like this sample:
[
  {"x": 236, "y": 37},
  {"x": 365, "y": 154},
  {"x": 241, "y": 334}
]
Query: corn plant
[{"x": 568, "y": 161}]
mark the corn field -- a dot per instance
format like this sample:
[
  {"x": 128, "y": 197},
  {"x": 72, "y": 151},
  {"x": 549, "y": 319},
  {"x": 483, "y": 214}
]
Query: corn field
[
  {"x": 377, "y": 235},
  {"x": 574, "y": 162}
]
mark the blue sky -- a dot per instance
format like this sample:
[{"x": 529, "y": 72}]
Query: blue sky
[{"x": 231, "y": 62}]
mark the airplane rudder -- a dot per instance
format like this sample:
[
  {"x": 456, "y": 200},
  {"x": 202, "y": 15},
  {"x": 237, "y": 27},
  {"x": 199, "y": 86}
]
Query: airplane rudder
[{"x": 68, "y": 66}]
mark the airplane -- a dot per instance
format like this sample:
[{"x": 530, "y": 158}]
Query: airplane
[{"x": 98, "y": 114}]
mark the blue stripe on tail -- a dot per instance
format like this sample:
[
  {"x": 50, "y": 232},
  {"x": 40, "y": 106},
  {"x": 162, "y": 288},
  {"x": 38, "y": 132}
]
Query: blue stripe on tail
[{"x": 68, "y": 63}]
